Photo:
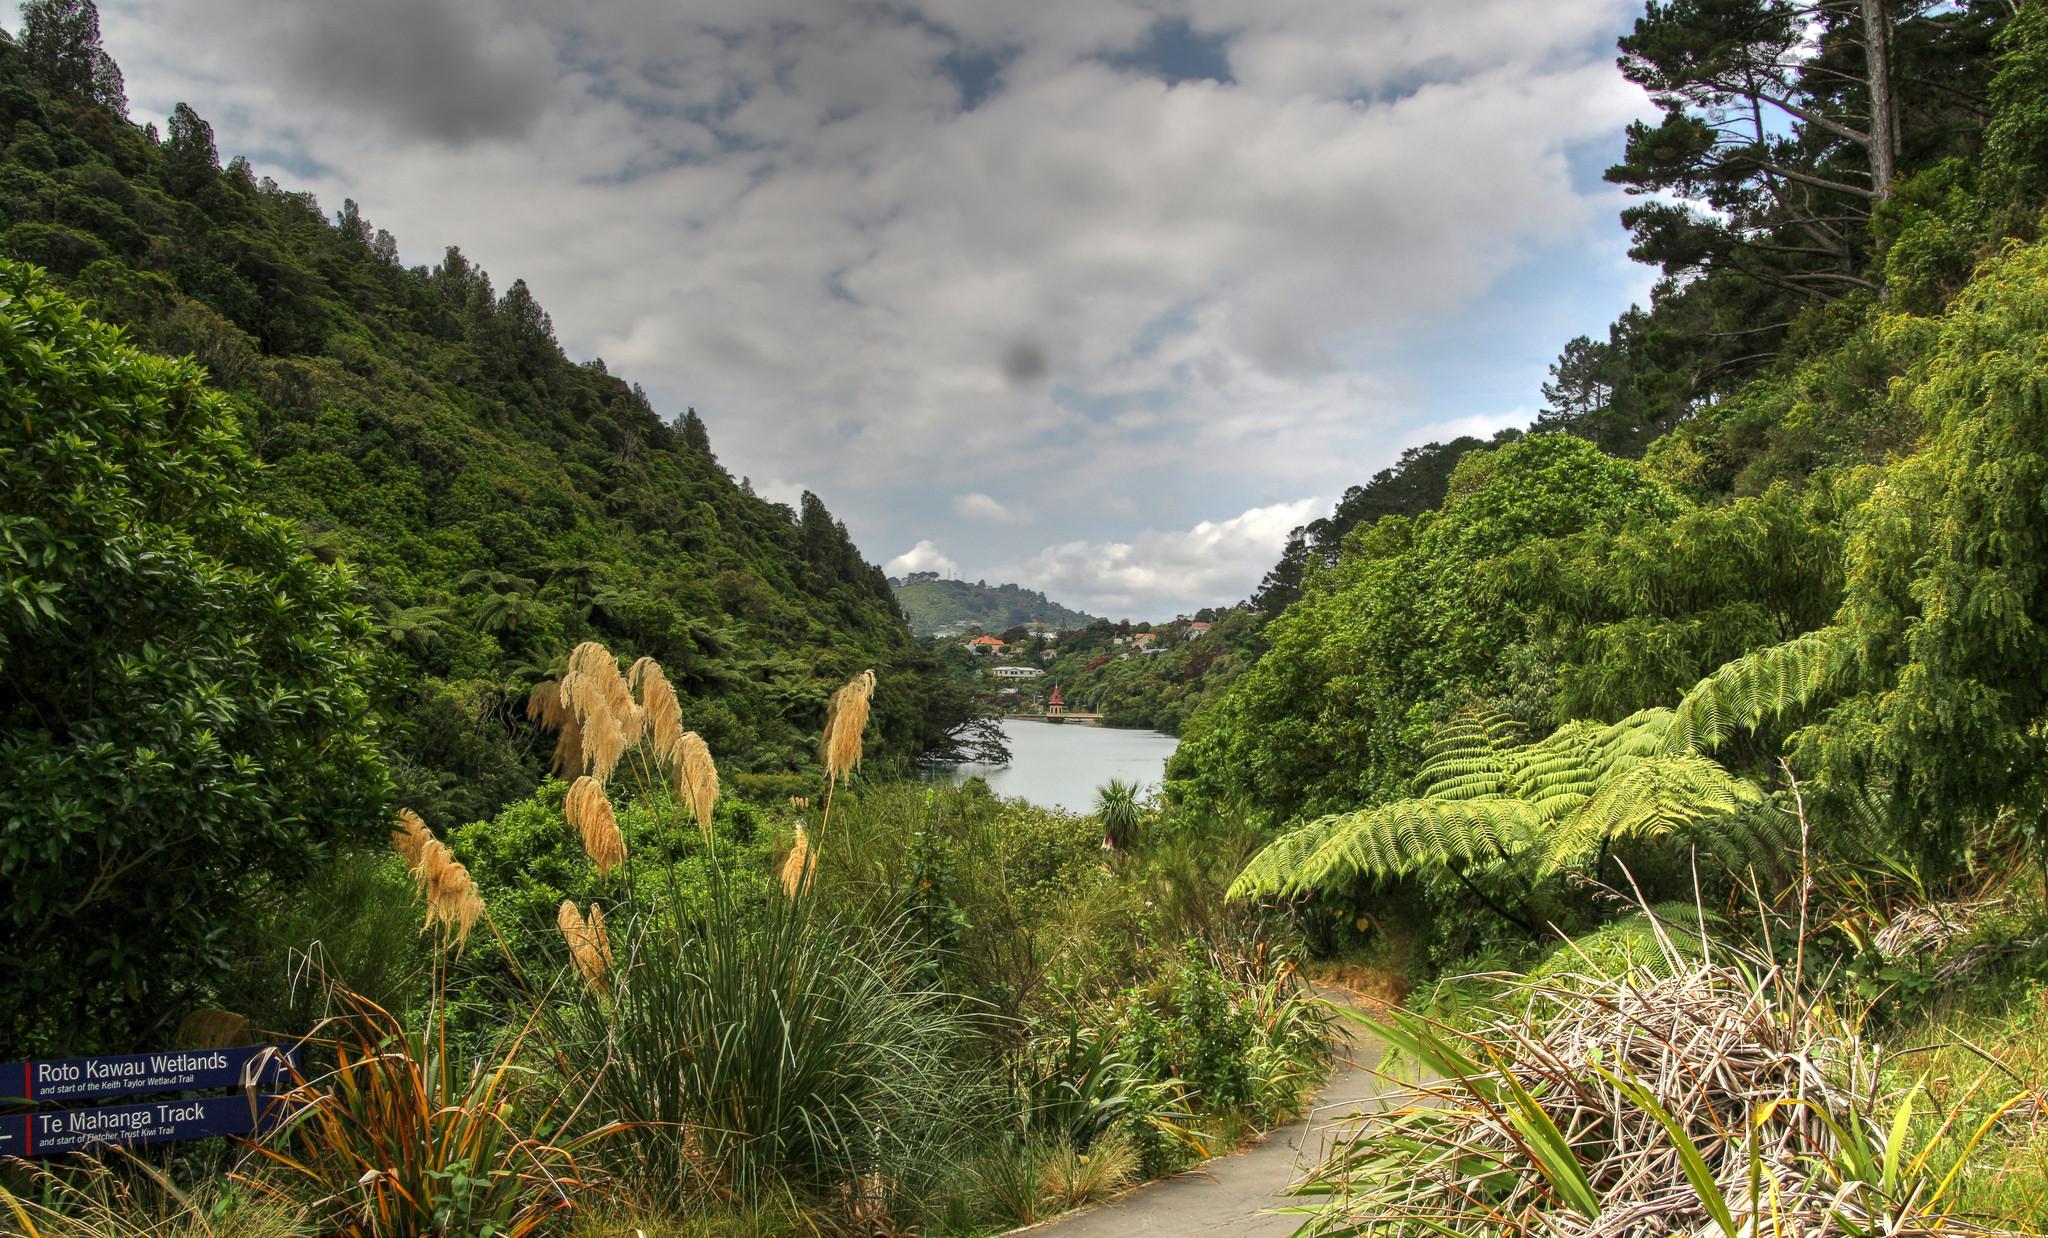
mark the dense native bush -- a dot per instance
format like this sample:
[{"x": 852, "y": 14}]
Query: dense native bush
[
  {"x": 184, "y": 703},
  {"x": 1405, "y": 628}
]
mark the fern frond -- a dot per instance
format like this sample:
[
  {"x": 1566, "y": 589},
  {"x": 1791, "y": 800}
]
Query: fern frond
[
  {"x": 1760, "y": 686},
  {"x": 1653, "y": 798},
  {"x": 1464, "y": 759},
  {"x": 1392, "y": 840}
]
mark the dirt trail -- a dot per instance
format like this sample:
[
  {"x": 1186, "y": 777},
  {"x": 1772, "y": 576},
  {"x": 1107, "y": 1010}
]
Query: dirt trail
[{"x": 1230, "y": 1195}]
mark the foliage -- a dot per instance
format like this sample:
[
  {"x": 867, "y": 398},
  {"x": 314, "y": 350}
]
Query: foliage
[
  {"x": 1407, "y": 628},
  {"x": 1528, "y": 810},
  {"x": 183, "y": 691}
]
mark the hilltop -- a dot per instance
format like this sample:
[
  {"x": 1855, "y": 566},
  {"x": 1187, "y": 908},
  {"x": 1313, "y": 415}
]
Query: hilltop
[{"x": 936, "y": 607}]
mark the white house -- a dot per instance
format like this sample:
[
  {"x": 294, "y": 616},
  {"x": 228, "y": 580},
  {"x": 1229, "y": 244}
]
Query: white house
[
  {"x": 1197, "y": 628},
  {"x": 1017, "y": 672}
]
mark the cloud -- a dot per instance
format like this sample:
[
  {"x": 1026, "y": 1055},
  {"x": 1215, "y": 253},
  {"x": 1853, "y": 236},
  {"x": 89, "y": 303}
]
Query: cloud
[
  {"x": 1159, "y": 574},
  {"x": 923, "y": 557},
  {"x": 978, "y": 506},
  {"x": 447, "y": 70},
  {"x": 1135, "y": 260}
]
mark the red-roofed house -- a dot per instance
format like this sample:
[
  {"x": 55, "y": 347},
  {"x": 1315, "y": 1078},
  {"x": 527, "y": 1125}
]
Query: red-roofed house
[
  {"x": 1197, "y": 628},
  {"x": 985, "y": 644}
]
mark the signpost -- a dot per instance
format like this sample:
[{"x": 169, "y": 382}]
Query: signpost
[{"x": 52, "y": 1132}]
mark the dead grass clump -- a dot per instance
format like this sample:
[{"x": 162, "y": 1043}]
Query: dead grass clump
[{"x": 1701, "y": 1102}]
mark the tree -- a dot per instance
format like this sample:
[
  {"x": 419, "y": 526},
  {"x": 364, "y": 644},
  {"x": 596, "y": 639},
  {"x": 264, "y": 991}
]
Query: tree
[
  {"x": 1784, "y": 125},
  {"x": 183, "y": 708},
  {"x": 190, "y": 160},
  {"x": 695, "y": 436},
  {"x": 61, "y": 38}
]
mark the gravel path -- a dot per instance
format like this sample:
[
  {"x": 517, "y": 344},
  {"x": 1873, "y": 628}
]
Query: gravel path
[{"x": 1231, "y": 1194}]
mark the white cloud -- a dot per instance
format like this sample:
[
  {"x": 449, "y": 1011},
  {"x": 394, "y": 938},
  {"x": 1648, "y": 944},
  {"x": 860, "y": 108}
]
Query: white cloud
[
  {"x": 978, "y": 506},
  {"x": 1123, "y": 300},
  {"x": 923, "y": 557},
  {"x": 1159, "y": 574}
]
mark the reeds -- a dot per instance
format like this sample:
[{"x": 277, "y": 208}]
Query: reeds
[
  {"x": 589, "y": 813},
  {"x": 401, "y": 1138},
  {"x": 590, "y": 947},
  {"x": 452, "y": 900}
]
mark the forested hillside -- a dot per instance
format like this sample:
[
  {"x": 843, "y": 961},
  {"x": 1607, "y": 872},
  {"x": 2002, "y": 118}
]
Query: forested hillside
[
  {"x": 934, "y": 606},
  {"x": 495, "y": 501}
]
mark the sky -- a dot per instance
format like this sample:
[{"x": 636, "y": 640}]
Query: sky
[{"x": 1099, "y": 296}]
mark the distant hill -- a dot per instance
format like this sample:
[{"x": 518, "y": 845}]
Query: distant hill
[{"x": 935, "y": 606}]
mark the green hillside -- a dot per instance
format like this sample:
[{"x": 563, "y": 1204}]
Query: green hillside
[{"x": 934, "y": 606}]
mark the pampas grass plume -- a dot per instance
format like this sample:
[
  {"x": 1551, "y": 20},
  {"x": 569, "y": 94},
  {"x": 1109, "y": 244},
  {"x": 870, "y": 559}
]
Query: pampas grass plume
[
  {"x": 796, "y": 868},
  {"x": 846, "y": 719},
  {"x": 589, "y": 949},
  {"x": 696, "y": 776},
  {"x": 590, "y": 814},
  {"x": 410, "y": 837}
]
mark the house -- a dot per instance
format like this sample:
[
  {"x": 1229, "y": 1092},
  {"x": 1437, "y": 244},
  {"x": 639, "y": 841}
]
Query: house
[
  {"x": 1197, "y": 628},
  {"x": 1047, "y": 655},
  {"x": 1017, "y": 672},
  {"x": 1143, "y": 639},
  {"x": 985, "y": 644}
]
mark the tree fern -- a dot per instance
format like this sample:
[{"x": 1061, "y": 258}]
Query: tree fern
[
  {"x": 1759, "y": 687},
  {"x": 1486, "y": 799}
]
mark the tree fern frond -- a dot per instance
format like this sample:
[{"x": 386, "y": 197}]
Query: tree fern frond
[
  {"x": 1760, "y": 686},
  {"x": 1653, "y": 798}
]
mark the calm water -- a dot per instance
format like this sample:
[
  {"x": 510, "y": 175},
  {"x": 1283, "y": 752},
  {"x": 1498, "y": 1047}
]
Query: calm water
[{"x": 1063, "y": 766}]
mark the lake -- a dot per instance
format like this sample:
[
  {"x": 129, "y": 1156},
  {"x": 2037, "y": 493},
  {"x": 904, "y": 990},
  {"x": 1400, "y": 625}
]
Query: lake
[{"x": 1062, "y": 766}]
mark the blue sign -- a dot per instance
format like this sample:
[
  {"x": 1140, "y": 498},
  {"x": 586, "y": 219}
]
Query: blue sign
[
  {"x": 77, "y": 1130},
  {"x": 137, "y": 1074}
]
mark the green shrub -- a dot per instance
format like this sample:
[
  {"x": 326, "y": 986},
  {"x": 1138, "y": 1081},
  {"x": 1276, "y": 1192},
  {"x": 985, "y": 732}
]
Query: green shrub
[{"x": 183, "y": 713}]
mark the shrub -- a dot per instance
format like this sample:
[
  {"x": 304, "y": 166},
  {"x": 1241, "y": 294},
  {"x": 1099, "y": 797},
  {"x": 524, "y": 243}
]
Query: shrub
[{"x": 183, "y": 715}]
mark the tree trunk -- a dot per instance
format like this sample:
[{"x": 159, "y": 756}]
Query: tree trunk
[{"x": 1877, "y": 29}]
